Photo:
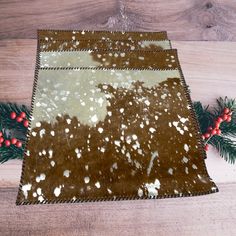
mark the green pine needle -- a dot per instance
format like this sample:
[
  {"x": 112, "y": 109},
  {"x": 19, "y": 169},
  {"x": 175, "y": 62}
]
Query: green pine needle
[
  {"x": 226, "y": 147},
  {"x": 205, "y": 118},
  {"x": 10, "y": 153}
]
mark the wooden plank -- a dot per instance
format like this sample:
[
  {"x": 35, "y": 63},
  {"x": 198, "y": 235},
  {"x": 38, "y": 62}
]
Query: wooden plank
[
  {"x": 17, "y": 62},
  {"x": 212, "y": 214},
  {"x": 19, "y": 19},
  {"x": 209, "y": 69},
  {"x": 10, "y": 173},
  {"x": 184, "y": 19},
  {"x": 211, "y": 64}
]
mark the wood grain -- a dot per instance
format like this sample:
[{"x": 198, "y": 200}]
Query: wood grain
[
  {"x": 212, "y": 214},
  {"x": 183, "y": 19},
  {"x": 209, "y": 69},
  {"x": 19, "y": 19},
  {"x": 17, "y": 62},
  {"x": 210, "y": 63}
]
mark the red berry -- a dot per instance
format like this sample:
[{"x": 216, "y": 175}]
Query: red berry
[
  {"x": 228, "y": 119},
  {"x": 226, "y": 110},
  {"x": 0, "y": 134},
  {"x": 19, "y": 119},
  {"x": 225, "y": 117},
  {"x": 26, "y": 123},
  {"x": 13, "y": 115},
  {"x": 213, "y": 132},
  {"x": 13, "y": 141},
  {"x": 1, "y": 139},
  {"x": 218, "y": 131},
  {"x": 7, "y": 143},
  {"x": 18, "y": 144},
  {"x": 22, "y": 114},
  {"x": 207, "y": 135},
  {"x": 0, "y": 144},
  {"x": 217, "y": 124},
  {"x": 209, "y": 128},
  {"x": 219, "y": 120},
  {"x": 206, "y": 147}
]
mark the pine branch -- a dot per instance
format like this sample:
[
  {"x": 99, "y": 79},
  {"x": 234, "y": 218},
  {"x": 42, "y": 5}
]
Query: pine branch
[
  {"x": 10, "y": 153},
  {"x": 226, "y": 102},
  {"x": 226, "y": 148},
  {"x": 205, "y": 118}
]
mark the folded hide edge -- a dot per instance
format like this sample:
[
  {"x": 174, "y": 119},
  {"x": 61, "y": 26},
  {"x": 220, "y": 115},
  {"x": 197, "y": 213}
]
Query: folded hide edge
[{"x": 134, "y": 136}]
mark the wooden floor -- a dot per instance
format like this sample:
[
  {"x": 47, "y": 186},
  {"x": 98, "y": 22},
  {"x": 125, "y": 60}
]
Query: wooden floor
[{"x": 204, "y": 32}]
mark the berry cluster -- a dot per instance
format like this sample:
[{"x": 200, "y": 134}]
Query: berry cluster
[
  {"x": 7, "y": 142},
  {"x": 215, "y": 130},
  {"x": 20, "y": 118}
]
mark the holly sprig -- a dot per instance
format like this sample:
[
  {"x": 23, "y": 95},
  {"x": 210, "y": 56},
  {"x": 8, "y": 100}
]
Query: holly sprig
[
  {"x": 226, "y": 116},
  {"x": 13, "y": 127},
  {"x": 218, "y": 127}
]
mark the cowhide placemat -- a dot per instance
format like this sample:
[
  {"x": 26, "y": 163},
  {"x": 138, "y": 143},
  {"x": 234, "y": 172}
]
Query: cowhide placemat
[
  {"x": 111, "y": 126},
  {"x": 76, "y": 40},
  {"x": 61, "y": 35}
]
